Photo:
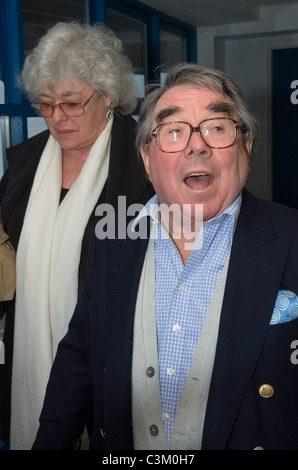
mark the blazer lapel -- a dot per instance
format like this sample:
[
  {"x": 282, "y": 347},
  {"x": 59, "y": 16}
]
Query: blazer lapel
[{"x": 256, "y": 265}]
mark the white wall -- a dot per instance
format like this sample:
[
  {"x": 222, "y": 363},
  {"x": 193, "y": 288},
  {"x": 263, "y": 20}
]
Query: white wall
[{"x": 243, "y": 51}]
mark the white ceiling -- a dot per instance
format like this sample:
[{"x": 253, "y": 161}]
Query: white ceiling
[{"x": 214, "y": 12}]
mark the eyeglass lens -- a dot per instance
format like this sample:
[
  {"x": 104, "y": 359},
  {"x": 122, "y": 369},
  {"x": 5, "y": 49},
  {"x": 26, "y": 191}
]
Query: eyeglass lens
[
  {"x": 70, "y": 109},
  {"x": 175, "y": 136}
]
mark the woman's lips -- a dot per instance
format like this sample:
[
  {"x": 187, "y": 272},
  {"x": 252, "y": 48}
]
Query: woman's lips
[
  {"x": 198, "y": 180},
  {"x": 64, "y": 131}
]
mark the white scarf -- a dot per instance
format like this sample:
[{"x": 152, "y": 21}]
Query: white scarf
[{"x": 48, "y": 258}]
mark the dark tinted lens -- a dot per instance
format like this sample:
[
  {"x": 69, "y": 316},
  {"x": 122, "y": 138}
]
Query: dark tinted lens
[
  {"x": 46, "y": 110},
  {"x": 42, "y": 109},
  {"x": 72, "y": 109}
]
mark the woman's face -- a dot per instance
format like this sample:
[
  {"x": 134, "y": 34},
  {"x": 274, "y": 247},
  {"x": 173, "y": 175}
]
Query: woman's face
[{"x": 76, "y": 133}]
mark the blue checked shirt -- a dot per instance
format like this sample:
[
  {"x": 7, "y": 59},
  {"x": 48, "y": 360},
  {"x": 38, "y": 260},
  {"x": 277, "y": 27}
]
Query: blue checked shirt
[{"x": 182, "y": 296}]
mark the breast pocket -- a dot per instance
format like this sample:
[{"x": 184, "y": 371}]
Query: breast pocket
[{"x": 286, "y": 307}]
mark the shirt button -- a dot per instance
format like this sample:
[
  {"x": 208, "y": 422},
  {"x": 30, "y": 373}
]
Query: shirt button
[
  {"x": 183, "y": 288},
  {"x": 150, "y": 372},
  {"x": 170, "y": 371},
  {"x": 154, "y": 430},
  {"x": 165, "y": 416},
  {"x": 177, "y": 328}
]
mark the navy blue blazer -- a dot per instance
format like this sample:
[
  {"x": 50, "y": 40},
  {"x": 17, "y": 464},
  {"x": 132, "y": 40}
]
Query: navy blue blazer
[{"x": 91, "y": 376}]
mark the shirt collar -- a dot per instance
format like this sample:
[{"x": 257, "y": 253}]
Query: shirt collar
[{"x": 151, "y": 210}]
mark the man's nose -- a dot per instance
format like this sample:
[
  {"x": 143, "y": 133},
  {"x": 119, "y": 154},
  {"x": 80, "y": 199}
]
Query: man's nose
[{"x": 197, "y": 144}]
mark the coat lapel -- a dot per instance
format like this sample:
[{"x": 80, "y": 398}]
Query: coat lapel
[{"x": 256, "y": 265}]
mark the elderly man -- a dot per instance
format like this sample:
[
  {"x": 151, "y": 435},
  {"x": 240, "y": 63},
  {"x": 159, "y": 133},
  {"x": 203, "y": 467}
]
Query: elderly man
[{"x": 186, "y": 338}]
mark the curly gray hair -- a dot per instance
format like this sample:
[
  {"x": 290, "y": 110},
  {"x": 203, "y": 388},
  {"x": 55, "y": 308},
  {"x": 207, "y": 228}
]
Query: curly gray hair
[
  {"x": 88, "y": 53},
  {"x": 194, "y": 74}
]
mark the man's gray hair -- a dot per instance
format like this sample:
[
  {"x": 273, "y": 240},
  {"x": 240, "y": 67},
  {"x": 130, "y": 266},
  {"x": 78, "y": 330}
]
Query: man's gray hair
[
  {"x": 193, "y": 74},
  {"x": 91, "y": 54}
]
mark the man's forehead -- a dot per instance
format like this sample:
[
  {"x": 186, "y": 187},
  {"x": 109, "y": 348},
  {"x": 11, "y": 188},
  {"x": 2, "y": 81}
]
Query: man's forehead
[
  {"x": 177, "y": 100},
  {"x": 188, "y": 90}
]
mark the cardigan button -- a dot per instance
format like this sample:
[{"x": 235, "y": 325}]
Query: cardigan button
[
  {"x": 154, "y": 430},
  {"x": 258, "y": 448},
  {"x": 150, "y": 372}
]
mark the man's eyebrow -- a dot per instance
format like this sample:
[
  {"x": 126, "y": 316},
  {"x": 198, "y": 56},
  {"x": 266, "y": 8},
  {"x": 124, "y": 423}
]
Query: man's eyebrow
[
  {"x": 216, "y": 107},
  {"x": 164, "y": 113},
  {"x": 221, "y": 107}
]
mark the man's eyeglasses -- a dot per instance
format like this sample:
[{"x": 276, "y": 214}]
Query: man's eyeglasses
[
  {"x": 70, "y": 109},
  {"x": 217, "y": 133}
]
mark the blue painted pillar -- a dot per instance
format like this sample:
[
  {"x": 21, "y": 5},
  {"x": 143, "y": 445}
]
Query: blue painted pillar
[
  {"x": 12, "y": 47},
  {"x": 98, "y": 11},
  {"x": 11, "y": 61}
]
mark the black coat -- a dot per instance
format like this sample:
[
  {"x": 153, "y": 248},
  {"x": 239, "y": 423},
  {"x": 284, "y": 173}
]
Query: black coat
[{"x": 126, "y": 177}]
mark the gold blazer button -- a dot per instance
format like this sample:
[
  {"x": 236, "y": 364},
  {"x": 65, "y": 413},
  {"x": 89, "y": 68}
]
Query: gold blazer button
[{"x": 266, "y": 391}]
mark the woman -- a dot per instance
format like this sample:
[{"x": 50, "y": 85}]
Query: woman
[{"x": 80, "y": 81}]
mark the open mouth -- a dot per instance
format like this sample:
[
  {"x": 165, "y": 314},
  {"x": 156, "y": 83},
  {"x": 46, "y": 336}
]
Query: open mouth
[{"x": 198, "y": 180}]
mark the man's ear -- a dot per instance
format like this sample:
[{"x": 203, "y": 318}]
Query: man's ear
[
  {"x": 145, "y": 157},
  {"x": 247, "y": 145}
]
